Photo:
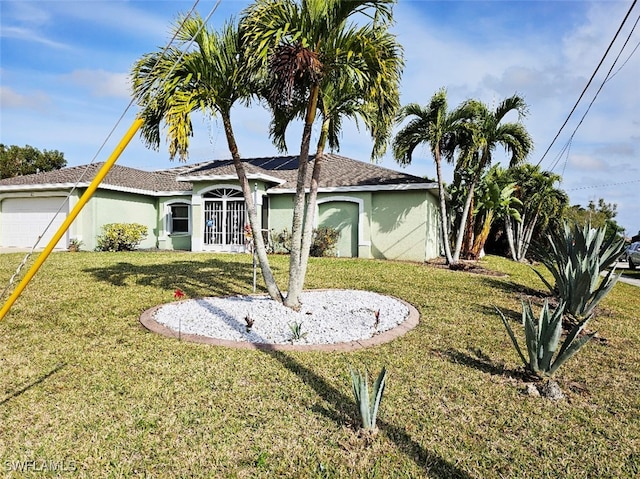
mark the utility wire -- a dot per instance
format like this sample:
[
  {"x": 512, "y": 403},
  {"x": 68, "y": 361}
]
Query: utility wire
[
  {"x": 606, "y": 53},
  {"x": 604, "y": 186},
  {"x": 606, "y": 79}
]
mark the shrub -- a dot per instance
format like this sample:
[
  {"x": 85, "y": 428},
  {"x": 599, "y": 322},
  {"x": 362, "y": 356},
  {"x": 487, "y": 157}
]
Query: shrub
[
  {"x": 575, "y": 257},
  {"x": 74, "y": 245},
  {"x": 324, "y": 242},
  {"x": 121, "y": 236},
  {"x": 543, "y": 337},
  {"x": 281, "y": 241}
]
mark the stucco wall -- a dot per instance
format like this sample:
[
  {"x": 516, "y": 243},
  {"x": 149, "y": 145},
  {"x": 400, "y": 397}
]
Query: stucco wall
[
  {"x": 385, "y": 224},
  {"x": 116, "y": 207},
  {"x": 403, "y": 226}
]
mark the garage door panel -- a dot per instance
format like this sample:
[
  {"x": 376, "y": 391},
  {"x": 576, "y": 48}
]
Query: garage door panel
[{"x": 24, "y": 219}]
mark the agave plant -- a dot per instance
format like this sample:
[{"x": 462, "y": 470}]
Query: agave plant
[
  {"x": 543, "y": 337},
  {"x": 368, "y": 409},
  {"x": 575, "y": 257},
  {"x": 296, "y": 331}
]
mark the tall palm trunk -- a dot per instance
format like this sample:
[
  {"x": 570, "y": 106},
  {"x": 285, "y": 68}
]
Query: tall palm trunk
[
  {"x": 508, "y": 226},
  {"x": 466, "y": 224},
  {"x": 296, "y": 272},
  {"x": 307, "y": 235},
  {"x": 480, "y": 240},
  {"x": 444, "y": 219},
  {"x": 519, "y": 238},
  {"x": 465, "y": 239},
  {"x": 258, "y": 241}
]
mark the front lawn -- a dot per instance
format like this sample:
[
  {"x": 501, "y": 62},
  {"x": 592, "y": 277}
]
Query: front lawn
[{"x": 85, "y": 388}]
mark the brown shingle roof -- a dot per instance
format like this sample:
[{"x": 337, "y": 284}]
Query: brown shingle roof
[
  {"x": 118, "y": 176},
  {"x": 337, "y": 171}
]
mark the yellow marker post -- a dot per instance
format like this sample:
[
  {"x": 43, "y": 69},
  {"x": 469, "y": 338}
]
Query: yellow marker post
[{"x": 93, "y": 186}]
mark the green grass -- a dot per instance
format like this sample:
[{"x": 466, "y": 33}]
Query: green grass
[{"x": 82, "y": 381}]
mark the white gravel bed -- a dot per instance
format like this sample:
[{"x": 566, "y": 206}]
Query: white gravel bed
[{"x": 326, "y": 317}]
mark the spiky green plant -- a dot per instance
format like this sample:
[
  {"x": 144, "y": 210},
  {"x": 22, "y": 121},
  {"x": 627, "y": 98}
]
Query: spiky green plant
[
  {"x": 368, "y": 409},
  {"x": 296, "y": 331},
  {"x": 543, "y": 337},
  {"x": 576, "y": 257}
]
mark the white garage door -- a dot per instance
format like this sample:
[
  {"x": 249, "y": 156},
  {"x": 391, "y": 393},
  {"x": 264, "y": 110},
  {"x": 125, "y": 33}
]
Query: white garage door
[{"x": 24, "y": 219}]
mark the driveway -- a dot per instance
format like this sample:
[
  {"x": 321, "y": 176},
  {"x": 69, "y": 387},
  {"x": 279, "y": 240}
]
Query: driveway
[{"x": 622, "y": 266}]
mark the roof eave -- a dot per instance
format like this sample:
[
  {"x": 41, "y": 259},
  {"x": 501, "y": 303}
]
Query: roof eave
[
  {"x": 70, "y": 186},
  {"x": 431, "y": 187},
  {"x": 250, "y": 176},
  {"x": 41, "y": 187}
]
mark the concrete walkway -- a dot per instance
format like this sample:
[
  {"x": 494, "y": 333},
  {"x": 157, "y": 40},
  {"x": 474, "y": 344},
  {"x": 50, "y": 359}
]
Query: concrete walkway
[{"x": 624, "y": 266}]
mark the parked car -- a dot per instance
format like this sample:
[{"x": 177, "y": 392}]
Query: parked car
[{"x": 633, "y": 255}]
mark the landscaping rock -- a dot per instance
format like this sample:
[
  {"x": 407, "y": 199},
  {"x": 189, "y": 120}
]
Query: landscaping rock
[
  {"x": 531, "y": 390},
  {"x": 551, "y": 390}
]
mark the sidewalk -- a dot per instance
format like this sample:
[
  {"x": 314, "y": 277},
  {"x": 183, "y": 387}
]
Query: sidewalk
[{"x": 623, "y": 266}]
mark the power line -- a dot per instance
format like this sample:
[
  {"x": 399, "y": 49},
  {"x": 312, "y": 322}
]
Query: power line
[
  {"x": 606, "y": 79},
  {"x": 606, "y": 53},
  {"x": 604, "y": 186}
]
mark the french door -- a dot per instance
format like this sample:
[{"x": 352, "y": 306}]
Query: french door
[{"x": 224, "y": 220}]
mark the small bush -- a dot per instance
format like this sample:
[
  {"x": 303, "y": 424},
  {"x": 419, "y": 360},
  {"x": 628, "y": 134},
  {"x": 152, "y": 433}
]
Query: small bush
[
  {"x": 542, "y": 338},
  {"x": 368, "y": 405},
  {"x": 324, "y": 242},
  {"x": 121, "y": 236},
  {"x": 281, "y": 241}
]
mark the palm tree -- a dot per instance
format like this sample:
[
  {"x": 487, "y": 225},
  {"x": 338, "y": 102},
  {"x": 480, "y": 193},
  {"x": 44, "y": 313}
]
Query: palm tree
[
  {"x": 316, "y": 62},
  {"x": 489, "y": 132},
  {"x": 210, "y": 78},
  {"x": 444, "y": 131},
  {"x": 496, "y": 199},
  {"x": 542, "y": 205}
]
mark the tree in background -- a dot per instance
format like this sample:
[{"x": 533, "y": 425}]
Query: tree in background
[
  {"x": 489, "y": 130},
  {"x": 596, "y": 216},
  {"x": 19, "y": 161},
  {"x": 541, "y": 210},
  {"x": 494, "y": 198}
]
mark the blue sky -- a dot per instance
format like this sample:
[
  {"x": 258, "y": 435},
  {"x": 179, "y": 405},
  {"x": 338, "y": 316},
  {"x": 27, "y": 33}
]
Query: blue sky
[{"x": 64, "y": 67}]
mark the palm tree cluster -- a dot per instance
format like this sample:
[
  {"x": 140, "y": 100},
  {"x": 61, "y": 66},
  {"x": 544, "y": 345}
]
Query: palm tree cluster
[
  {"x": 309, "y": 59},
  {"x": 467, "y": 135}
]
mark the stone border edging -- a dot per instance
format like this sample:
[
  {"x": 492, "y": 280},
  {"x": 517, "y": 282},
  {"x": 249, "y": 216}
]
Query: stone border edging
[{"x": 411, "y": 321}]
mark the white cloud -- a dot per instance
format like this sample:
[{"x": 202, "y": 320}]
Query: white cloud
[
  {"x": 119, "y": 16},
  {"x": 102, "y": 83},
  {"x": 29, "y": 35},
  {"x": 586, "y": 162},
  {"x": 585, "y": 45},
  {"x": 9, "y": 98},
  {"x": 26, "y": 12}
]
